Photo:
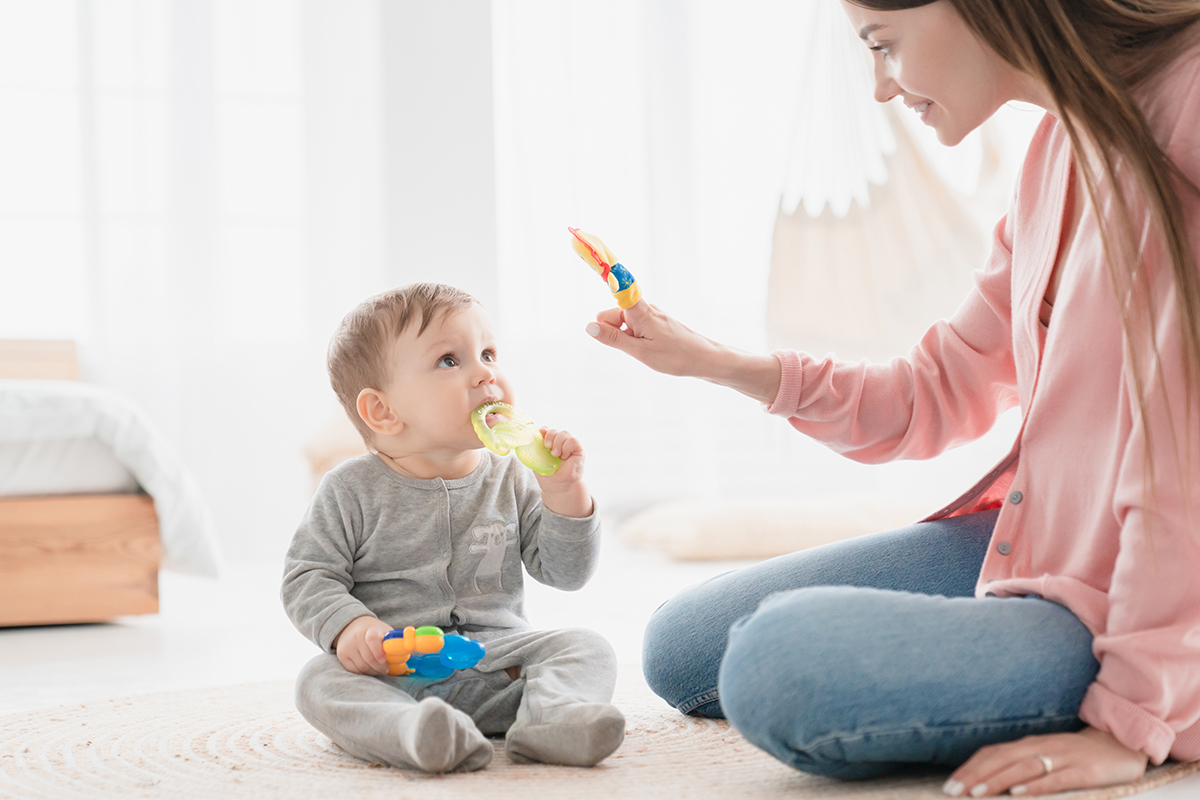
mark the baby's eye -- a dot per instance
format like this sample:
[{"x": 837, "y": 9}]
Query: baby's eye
[
  {"x": 448, "y": 360},
  {"x": 489, "y": 356}
]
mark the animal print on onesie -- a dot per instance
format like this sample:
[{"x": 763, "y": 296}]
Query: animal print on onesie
[{"x": 492, "y": 541}]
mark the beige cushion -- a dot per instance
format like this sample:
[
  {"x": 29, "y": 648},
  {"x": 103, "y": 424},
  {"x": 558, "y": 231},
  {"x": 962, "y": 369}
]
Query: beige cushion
[
  {"x": 336, "y": 441},
  {"x": 750, "y": 529}
]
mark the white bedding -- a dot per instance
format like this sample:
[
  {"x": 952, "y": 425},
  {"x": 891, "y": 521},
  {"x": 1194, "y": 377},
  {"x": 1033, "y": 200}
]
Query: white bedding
[
  {"x": 45, "y": 424},
  {"x": 62, "y": 466}
]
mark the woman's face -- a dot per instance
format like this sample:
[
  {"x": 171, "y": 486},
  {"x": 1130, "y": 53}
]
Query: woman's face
[{"x": 930, "y": 58}]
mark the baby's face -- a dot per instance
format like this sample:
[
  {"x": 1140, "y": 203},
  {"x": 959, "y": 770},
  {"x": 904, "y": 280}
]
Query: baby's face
[{"x": 439, "y": 377}]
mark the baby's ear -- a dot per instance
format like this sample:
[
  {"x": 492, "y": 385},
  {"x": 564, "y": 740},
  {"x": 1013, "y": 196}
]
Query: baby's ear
[{"x": 374, "y": 409}]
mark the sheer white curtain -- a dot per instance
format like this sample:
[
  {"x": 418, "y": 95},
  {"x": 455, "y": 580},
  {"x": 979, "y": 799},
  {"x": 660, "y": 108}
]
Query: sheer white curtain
[
  {"x": 668, "y": 129},
  {"x": 655, "y": 126},
  {"x": 198, "y": 190},
  {"x": 189, "y": 189},
  {"x": 879, "y": 226}
]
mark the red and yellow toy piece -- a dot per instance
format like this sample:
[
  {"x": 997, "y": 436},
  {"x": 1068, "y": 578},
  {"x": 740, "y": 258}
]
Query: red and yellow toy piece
[{"x": 620, "y": 281}]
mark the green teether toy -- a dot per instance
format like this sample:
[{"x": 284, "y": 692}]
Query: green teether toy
[{"x": 515, "y": 431}]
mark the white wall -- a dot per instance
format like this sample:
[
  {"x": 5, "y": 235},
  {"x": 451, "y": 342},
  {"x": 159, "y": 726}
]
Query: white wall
[
  {"x": 200, "y": 189},
  {"x": 664, "y": 130},
  {"x": 440, "y": 153}
]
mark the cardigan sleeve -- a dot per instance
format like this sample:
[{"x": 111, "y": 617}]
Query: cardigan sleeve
[
  {"x": 1147, "y": 692},
  {"x": 1148, "y": 688},
  {"x": 949, "y": 390}
]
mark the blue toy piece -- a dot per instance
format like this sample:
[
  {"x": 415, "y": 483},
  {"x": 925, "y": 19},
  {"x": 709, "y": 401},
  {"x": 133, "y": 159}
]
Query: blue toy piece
[
  {"x": 458, "y": 652},
  {"x": 428, "y": 653}
]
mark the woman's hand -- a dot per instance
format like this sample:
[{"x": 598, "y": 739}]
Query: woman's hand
[
  {"x": 668, "y": 346},
  {"x": 1085, "y": 760},
  {"x": 657, "y": 340}
]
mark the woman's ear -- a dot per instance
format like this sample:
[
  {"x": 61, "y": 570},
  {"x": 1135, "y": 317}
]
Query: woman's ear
[{"x": 374, "y": 410}]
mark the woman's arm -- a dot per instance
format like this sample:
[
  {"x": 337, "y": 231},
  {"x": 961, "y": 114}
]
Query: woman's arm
[
  {"x": 672, "y": 348},
  {"x": 950, "y": 389}
]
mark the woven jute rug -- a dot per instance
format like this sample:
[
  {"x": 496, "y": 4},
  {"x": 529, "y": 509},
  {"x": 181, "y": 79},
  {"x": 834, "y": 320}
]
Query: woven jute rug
[{"x": 247, "y": 741}]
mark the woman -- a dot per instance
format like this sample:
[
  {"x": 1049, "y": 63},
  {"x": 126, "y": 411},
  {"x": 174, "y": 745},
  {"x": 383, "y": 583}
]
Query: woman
[{"x": 1042, "y": 633}]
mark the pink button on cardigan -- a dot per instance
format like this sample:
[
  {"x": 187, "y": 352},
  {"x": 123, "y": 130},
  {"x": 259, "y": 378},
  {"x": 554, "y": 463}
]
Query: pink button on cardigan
[{"x": 1074, "y": 526}]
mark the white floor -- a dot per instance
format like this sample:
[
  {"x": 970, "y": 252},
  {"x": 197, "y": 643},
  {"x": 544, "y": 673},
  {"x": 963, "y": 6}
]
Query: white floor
[{"x": 233, "y": 630}]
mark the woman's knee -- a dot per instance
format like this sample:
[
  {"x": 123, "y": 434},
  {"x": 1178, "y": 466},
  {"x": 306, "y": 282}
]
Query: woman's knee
[
  {"x": 760, "y": 676},
  {"x": 780, "y": 683},
  {"x": 681, "y": 651}
]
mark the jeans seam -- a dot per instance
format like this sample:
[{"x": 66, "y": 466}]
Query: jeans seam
[
  {"x": 687, "y": 706},
  {"x": 861, "y": 735}
]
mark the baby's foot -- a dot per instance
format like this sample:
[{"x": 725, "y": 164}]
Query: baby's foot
[
  {"x": 582, "y": 735},
  {"x": 436, "y": 737}
]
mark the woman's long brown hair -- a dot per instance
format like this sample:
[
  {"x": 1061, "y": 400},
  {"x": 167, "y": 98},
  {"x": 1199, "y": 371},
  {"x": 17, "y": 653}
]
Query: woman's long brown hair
[{"x": 1093, "y": 55}]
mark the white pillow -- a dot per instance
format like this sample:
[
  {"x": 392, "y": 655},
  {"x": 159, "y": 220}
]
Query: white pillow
[
  {"x": 61, "y": 466},
  {"x": 753, "y": 530}
]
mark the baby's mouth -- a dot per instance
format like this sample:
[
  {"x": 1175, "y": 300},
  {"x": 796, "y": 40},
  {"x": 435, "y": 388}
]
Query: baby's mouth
[{"x": 492, "y": 417}]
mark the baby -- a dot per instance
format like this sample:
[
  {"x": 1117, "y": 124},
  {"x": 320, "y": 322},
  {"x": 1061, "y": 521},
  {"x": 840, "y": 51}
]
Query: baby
[{"x": 428, "y": 528}]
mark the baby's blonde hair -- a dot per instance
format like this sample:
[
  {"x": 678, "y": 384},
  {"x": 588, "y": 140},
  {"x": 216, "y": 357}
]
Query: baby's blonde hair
[{"x": 359, "y": 350}]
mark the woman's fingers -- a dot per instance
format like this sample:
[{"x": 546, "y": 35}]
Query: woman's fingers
[
  {"x": 636, "y": 318},
  {"x": 609, "y": 325},
  {"x": 1046, "y": 764},
  {"x": 1000, "y": 775},
  {"x": 612, "y": 316},
  {"x": 608, "y": 331},
  {"x": 653, "y": 338},
  {"x": 1058, "y": 781}
]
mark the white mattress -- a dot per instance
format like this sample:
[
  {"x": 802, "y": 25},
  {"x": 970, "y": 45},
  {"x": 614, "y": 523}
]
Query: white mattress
[
  {"x": 61, "y": 466},
  {"x": 66, "y": 437}
]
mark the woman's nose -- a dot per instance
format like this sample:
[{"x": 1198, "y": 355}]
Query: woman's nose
[{"x": 885, "y": 87}]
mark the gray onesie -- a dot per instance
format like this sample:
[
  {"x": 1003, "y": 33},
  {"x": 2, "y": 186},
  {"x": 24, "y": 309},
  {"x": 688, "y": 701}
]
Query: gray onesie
[{"x": 446, "y": 553}]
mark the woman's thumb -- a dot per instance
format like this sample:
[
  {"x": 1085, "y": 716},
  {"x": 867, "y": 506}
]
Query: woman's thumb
[{"x": 606, "y": 334}]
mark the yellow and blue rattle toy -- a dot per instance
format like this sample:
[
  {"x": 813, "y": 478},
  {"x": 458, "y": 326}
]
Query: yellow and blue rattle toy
[
  {"x": 503, "y": 428},
  {"x": 427, "y": 652},
  {"x": 620, "y": 281}
]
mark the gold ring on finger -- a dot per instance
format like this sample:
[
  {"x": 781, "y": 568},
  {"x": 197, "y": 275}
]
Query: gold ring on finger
[{"x": 1047, "y": 764}]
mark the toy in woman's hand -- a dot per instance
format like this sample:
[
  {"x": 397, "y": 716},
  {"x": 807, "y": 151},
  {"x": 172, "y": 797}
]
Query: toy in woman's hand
[
  {"x": 437, "y": 654},
  {"x": 503, "y": 428},
  {"x": 622, "y": 284}
]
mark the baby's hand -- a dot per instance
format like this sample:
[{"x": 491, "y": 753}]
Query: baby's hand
[
  {"x": 360, "y": 646},
  {"x": 565, "y": 446},
  {"x": 564, "y": 492}
]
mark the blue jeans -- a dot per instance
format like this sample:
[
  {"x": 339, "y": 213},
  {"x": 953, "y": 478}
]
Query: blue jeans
[{"x": 861, "y": 657}]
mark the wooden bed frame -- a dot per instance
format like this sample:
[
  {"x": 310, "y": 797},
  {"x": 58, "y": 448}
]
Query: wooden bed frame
[{"x": 76, "y": 558}]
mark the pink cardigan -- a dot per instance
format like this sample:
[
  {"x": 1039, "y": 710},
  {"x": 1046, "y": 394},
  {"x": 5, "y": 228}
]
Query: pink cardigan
[{"x": 1073, "y": 527}]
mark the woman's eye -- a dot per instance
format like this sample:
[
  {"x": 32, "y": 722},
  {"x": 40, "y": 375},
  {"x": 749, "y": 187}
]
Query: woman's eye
[
  {"x": 447, "y": 361},
  {"x": 881, "y": 48}
]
